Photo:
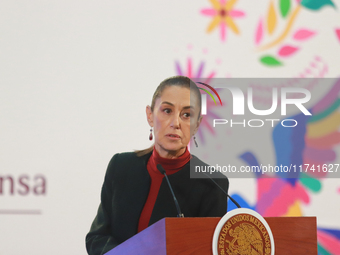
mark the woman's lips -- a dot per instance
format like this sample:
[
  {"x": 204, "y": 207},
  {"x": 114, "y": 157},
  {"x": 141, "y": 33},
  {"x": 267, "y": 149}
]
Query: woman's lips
[{"x": 173, "y": 136}]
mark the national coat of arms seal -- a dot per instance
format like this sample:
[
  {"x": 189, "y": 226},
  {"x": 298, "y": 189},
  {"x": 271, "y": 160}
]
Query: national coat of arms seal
[{"x": 243, "y": 232}]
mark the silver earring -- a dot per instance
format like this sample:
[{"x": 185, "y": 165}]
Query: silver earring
[
  {"x": 195, "y": 141},
  {"x": 150, "y": 136}
]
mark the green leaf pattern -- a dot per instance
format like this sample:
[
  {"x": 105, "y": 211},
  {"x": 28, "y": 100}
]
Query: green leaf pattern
[
  {"x": 270, "y": 61},
  {"x": 285, "y": 7}
]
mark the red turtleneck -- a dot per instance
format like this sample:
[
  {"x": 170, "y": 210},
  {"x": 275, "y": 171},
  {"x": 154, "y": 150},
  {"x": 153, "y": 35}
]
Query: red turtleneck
[{"x": 171, "y": 166}]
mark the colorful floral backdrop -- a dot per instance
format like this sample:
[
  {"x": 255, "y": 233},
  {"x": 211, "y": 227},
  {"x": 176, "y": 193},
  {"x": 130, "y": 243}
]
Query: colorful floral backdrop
[
  {"x": 76, "y": 77},
  {"x": 277, "y": 40}
]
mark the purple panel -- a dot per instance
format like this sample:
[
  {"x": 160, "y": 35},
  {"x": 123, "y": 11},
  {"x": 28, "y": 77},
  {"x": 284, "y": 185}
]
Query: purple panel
[{"x": 150, "y": 241}]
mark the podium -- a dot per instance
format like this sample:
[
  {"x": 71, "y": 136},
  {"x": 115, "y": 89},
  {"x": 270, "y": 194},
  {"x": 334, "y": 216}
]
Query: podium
[{"x": 292, "y": 235}]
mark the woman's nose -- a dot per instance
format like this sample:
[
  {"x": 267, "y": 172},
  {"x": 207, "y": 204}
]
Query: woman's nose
[{"x": 175, "y": 122}]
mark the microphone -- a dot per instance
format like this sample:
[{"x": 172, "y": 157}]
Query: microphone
[
  {"x": 161, "y": 169},
  {"x": 232, "y": 200}
]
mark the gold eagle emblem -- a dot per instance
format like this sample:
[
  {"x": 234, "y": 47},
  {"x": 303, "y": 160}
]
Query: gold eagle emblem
[{"x": 246, "y": 241}]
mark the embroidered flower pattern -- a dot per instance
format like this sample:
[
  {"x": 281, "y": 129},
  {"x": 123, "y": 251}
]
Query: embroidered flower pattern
[{"x": 223, "y": 16}]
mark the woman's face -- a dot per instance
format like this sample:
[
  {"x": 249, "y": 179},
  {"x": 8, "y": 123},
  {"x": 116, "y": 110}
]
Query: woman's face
[{"x": 174, "y": 120}]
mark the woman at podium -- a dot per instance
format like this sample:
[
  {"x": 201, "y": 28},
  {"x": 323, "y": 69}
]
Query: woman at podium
[{"x": 135, "y": 194}]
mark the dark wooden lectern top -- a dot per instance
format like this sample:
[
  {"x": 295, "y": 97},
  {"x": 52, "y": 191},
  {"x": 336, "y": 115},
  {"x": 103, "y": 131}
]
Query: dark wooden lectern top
[{"x": 292, "y": 235}]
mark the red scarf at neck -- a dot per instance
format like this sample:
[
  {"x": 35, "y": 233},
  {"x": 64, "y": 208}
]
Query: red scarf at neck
[{"x": 171, "y": 166}]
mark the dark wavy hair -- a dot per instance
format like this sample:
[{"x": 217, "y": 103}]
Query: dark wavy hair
[{"x": 181, "y": 81}]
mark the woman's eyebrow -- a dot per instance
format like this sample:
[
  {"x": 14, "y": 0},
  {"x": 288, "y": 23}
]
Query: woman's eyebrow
[
  {"x": 189, "y": 107},
  {"x": 166, "y": 102},
  {"x": 185, "y": 107}
]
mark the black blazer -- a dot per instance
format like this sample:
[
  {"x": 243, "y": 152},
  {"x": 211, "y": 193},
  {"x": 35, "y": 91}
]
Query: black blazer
[{"x": 124, "y": 193}]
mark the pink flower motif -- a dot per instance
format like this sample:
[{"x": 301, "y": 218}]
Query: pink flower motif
[
  {"x": 303, "y": 34},
  {"x": 223, "y": 14},
  {"x": 287, "y": 51},
  {"x": 337, "y": 32},
  {"x": 259, "y": 32},
  {"x": 190, "y": 72}
]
